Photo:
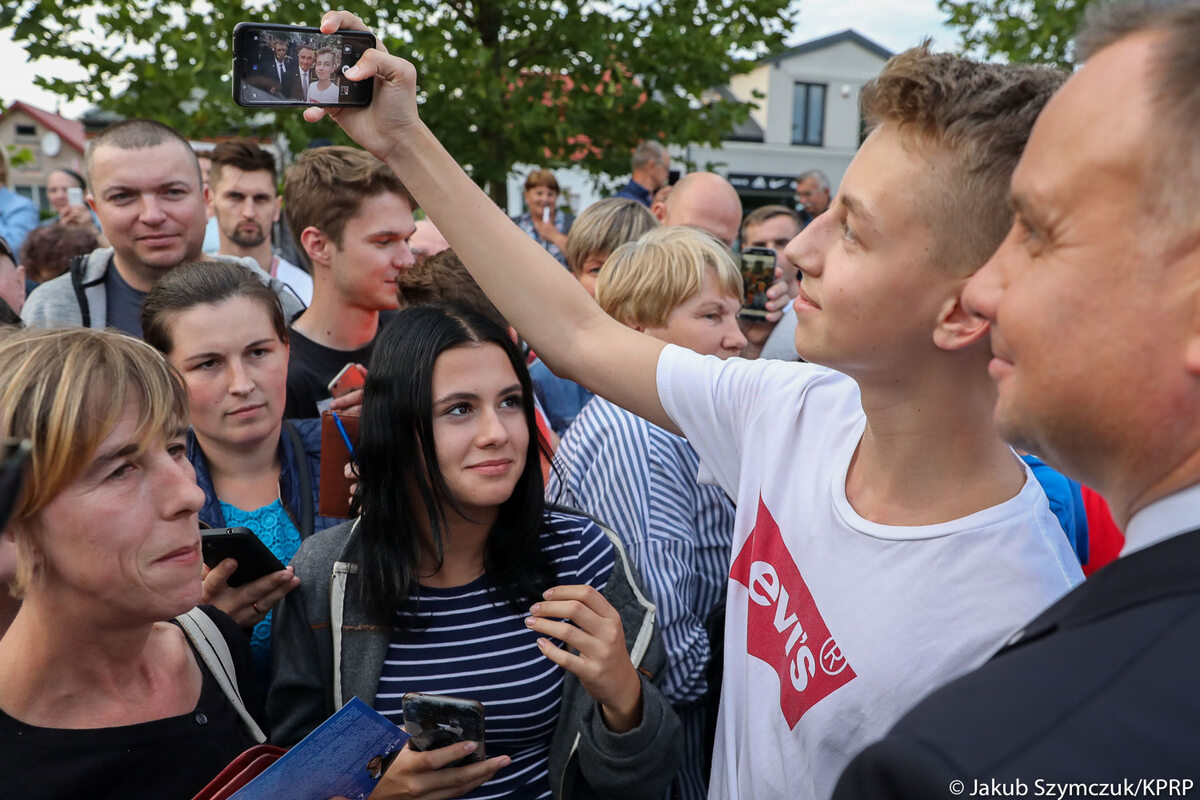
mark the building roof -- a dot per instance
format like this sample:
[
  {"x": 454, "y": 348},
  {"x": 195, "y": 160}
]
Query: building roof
[
  {"x": 69, "y": 130},
  {"x": 748, "y": 131},
  {"x": 849, "y": 35}
]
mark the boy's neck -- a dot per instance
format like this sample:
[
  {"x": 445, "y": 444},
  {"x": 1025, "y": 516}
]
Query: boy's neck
[
  {"x": 335, "y": 324},
  {"x": 930, "y": 453}
]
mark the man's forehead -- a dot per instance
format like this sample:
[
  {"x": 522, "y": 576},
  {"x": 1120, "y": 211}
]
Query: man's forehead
[
  {"x": 1099, "y": 123},
  {"x": 775, "y": 227},
  {"x": 157, "y": 164},
  {"x": 233, "y": 178}
]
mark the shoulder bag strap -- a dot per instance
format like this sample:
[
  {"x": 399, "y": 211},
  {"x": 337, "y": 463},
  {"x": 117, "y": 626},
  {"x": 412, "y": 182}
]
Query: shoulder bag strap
[{"x": 214, "y": 652}]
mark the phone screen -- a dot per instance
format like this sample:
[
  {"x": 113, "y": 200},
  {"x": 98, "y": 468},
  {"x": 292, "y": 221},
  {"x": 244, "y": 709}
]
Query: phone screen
[
  {"x": 285, "y": 65},
  {"x": 758, "y": 273}
]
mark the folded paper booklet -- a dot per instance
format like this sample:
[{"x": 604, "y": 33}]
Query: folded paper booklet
[{"x": 344, "y": 757}]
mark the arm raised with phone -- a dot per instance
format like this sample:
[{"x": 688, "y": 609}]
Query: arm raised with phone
[{"x": 542, "y": 301}]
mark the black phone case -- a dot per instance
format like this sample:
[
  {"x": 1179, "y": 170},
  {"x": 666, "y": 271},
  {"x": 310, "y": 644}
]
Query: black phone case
[
  {"x": 253, "y": 557},
  {"x": 435, "y": 721},
  {"x": 259, "y": 83}
]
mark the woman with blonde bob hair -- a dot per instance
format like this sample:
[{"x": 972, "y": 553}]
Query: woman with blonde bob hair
[{"x": 96, "y": 683}]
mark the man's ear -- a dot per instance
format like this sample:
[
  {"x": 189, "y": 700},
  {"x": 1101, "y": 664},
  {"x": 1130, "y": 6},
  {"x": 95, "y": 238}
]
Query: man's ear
[
  {"x": 659, "y": 210},
  {"x": 317, "y": 245},
  {"x": 278, "y": 207},
  {"x": 957, "y": 328}
]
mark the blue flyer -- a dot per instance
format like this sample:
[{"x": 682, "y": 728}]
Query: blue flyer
[{"x": 343, "y": 757}]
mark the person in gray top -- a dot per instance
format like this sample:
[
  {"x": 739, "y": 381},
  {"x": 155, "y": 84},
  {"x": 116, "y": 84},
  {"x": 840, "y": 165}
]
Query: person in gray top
[{"x": 147, "y": 191}]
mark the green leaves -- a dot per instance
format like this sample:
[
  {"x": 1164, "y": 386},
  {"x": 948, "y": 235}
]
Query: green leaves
[
  {"x": 502, "y": 81},
  {"x": 1028, "y": 31}
]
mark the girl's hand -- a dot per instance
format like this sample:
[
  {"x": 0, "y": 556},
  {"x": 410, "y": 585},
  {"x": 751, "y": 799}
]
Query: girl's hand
[
  {"x": 600, "y": 659},
  {"x": 248, "y": 604},
  {"x": 423, "y": 775}
]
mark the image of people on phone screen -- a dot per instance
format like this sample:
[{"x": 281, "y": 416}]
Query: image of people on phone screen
[{"x": 325, "y": 90}]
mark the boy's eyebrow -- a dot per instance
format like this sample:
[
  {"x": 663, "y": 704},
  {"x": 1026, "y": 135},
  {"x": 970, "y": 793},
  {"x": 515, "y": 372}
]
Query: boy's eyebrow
[{"x": 856, "y": 207}]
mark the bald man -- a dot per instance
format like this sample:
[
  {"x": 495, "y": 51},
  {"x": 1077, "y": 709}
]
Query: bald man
[{"x": 703, "y": 200}]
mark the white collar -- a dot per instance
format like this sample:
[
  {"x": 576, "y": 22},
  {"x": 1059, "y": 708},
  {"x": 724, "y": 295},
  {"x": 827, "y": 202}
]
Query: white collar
[{"x": 1172, "y": 515}]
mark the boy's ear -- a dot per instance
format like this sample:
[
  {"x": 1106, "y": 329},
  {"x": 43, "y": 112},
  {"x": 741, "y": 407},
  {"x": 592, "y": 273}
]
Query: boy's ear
[
  {"x": 957, "y": 328},
  {"x": 317, "y": 245}
]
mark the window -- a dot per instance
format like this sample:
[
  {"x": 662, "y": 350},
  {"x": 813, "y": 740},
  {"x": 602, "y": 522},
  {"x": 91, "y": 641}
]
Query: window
[
  {"x": 26, "y": 131},
  {"x": 808, "y": 114}
]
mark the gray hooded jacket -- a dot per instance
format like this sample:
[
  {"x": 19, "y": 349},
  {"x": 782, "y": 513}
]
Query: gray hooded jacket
[
  {"x": 77, "y": 296},
  {"x": 326, "y": 650}
]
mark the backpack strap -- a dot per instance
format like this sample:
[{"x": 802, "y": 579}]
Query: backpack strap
[
  {"x": 304, "y": 473},
  {"x": 206, "y": 637},
  {"x": 76, "y": 267}
]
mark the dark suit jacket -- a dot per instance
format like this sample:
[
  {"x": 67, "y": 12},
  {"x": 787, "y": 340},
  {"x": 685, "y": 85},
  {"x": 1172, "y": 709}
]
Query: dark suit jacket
[
  {"x": 1102, "y": 686},
  {"x": 290, "y": 87}
]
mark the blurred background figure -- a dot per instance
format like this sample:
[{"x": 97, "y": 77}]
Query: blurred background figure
[
  {"x": 651, "y": 168},
  {"x": 48, "y": 250},
  {"x": 13, "y": 288},
  {"x": 427, "y": 241},
  {"x": 66, "y": 189},
  {"x": 18, "y": 214},
  {"x": 812, "y": 195},
  {"x": 544, "y": 221}
]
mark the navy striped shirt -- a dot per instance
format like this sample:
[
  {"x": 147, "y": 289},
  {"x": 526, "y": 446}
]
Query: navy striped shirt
[
  {"x": 468, "y": 642},
  {"x": 640, "y": 480}
]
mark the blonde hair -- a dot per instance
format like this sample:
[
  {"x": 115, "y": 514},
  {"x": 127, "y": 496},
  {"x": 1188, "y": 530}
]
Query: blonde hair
[
  {"x": 65, "y": 390},
  {"x": 604, "y": 226},
  {"x": 643, "y": 281}
]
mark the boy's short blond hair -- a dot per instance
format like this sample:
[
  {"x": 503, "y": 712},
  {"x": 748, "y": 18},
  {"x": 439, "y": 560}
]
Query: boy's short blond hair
[
  {"x": 643, "y": 281},
  {"x": 603, "y": 227}
]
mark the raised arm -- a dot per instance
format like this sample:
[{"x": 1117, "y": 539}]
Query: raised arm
[{"x": 541, "y": 300}]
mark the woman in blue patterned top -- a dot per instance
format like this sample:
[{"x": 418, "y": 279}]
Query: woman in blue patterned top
[
  {"x": 457, "y": 580},
  {"x": 225, "y": 332}
]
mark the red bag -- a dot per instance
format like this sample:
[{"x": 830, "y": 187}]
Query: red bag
[{"x": 243, "y": 769}]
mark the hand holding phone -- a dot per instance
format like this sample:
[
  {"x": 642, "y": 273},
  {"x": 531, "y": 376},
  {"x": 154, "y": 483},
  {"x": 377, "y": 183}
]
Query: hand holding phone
[
  {"x": 435, "y": 721},
  {"x": 74, "y": 196}
]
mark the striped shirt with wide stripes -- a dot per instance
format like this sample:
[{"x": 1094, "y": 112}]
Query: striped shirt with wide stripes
[
  {"x": 640, "y": 480},
  {"x": 468, "y": 642}
]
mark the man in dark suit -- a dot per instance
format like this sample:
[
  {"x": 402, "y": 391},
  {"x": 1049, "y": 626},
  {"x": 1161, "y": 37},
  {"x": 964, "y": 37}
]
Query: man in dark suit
[
  {"x": 1094, "y": 302},
  {"x": 282, "y": 69}
]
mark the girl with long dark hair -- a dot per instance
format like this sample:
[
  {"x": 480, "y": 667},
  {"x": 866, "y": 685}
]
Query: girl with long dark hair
[{"x": 457, "y": 580}]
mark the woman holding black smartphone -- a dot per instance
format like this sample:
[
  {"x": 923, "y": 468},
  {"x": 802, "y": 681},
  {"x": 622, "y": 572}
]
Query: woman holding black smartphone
[
  {"x": 225, "y": 332},
  {"x": 457, "y": 580}
]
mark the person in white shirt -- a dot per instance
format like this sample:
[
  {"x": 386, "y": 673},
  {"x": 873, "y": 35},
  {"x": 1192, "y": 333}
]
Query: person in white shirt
[
  {"x": 324, "y": 90},
  {"x": 245, "y": 204},
  {"x": 886, "y": 539}
]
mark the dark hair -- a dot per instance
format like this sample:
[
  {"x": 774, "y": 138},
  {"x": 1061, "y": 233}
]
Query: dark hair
[
  {"x": 396, "y": 455},
  {"x": 199, "y": 283},
  {"x": 138, "y": 134},
  {"x": 442, "y": 278},
  {"x": 48, "y": 249},
  {"x": 243, "y": 155},
  {"x": 72, "y": 174}
]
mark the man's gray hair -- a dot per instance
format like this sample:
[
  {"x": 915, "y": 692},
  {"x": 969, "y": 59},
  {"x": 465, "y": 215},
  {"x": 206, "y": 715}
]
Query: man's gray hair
[
  {"x": 1174, "y": 95},
  {"x": 646, "y": 153},
  {"x": 822, "y": 180}
]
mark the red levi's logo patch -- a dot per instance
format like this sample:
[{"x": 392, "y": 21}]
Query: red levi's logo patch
[{"x": 784, "y": 627}]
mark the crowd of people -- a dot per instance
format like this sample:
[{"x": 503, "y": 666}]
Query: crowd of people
[{"x": 833, "y": 551}]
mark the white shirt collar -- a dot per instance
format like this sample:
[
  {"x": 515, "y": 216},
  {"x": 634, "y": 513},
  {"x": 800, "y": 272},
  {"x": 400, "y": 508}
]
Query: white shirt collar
[{"x": 1172, "y": 515}]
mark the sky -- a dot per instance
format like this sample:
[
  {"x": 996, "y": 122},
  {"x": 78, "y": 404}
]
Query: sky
[{"x": 895, "y": 24}]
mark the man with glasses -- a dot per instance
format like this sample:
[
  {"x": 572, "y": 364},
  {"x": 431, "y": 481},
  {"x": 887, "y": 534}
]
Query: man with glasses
[{"x": 651, "y": 167}]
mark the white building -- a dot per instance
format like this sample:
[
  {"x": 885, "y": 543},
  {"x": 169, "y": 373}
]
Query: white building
[{"x": 807, "y": 118}]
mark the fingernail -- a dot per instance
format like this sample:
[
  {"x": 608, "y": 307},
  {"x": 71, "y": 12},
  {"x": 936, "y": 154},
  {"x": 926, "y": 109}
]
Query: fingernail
[
  {"x": 469, "y": 747},
  {"x": 543, "y": 642},
  {"x": 534, "y": 608},
  {"x": 352, "y": 73},
  {"x": 548, "y": 594},
  {"x": 530, "y": 621}
]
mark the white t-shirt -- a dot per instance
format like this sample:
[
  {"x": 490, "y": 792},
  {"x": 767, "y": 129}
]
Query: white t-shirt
[
  {"x": 835, "y": 625},
  {"x": 300, "y": 281},
  {"x": 327, "y": 95}
]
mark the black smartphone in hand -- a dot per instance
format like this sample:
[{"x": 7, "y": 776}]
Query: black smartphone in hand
[
  {"x": 434, "y": 721},
  {"x": 254, "y": 559},
  {"x": 758, "y": 274},
  {"x": 288, "y": 66}
]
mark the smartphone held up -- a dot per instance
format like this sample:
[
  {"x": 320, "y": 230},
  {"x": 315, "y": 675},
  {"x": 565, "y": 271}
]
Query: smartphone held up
[{"x": 281, "y": 66}]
